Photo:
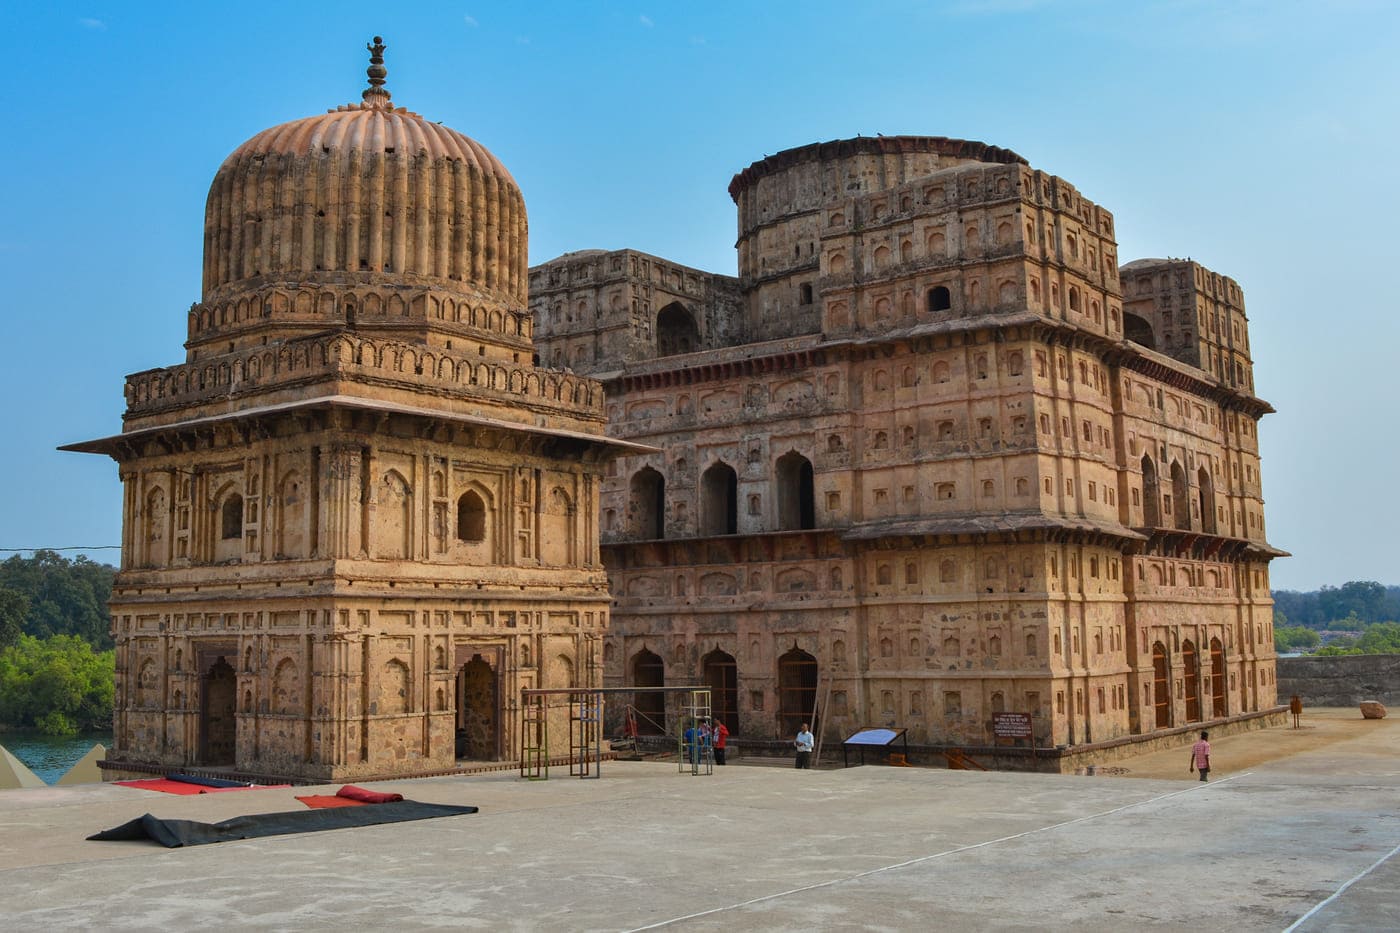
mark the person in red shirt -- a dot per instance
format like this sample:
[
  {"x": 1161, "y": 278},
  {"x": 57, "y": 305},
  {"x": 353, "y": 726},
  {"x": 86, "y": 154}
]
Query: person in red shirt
[
  {"x": 1200, "y": 756},
  {"x": 720, "y": 733}
]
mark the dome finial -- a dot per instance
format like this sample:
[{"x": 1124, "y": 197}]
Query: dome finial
[{"x": 376, "y": 93}]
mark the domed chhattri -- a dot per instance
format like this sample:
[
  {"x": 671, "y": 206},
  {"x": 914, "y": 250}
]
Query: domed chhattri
[{"x": 360, "y": 192}]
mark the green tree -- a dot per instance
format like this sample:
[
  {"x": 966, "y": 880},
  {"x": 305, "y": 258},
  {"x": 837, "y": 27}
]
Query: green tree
[
  {"x": 14, "y": 607},
  {"x": 58, "y": 685},
  {"x": 1381, "y": 638},
  {"x": 1295, "y": 638}
]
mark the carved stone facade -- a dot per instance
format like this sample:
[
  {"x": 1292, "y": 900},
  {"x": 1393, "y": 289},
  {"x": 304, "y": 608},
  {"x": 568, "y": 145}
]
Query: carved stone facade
[
  {"x": 358, "y": 519},
  {"x": 927, "y": 467}
]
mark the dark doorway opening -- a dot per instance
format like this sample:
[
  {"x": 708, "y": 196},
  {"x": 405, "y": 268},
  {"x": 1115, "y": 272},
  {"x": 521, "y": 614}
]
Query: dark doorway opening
[
  {"x": 797, "y": 690},
  {"x": 218, "y": 723},
  {"x": 676, "y": 331},
  {"x": 1139, "y": 331},
  {"x": 720, "y": 500},
  {"x": 648, "y": 670},
  {"x": 478, "y": 711},
  {"x": 796, "y": 502},
  {"x": 1151, "y": 494},
  {"x": 722, "y": 676},
  {"x": 648, "y": 504}
]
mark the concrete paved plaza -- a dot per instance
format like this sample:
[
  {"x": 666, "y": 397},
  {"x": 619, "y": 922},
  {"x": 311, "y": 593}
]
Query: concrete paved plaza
[{"x": 767, "y": 848}]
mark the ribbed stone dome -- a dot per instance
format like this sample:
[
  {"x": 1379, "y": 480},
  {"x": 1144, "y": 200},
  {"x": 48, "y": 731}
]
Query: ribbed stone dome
[{"x": 365, "y": 188}]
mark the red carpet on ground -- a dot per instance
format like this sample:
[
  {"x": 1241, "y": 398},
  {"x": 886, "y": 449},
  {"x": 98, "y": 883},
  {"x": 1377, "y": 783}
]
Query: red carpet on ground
[
  {"x": 351, "y": 792},
  {"x": 167, "y": 786},
  {"x": 349, "y": 796},
  {"x": 327, "y": 801}
]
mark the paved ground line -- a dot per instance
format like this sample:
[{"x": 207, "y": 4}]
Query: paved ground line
[
  {"x": 936, "y": 855},
  {"x": 1338, "y": 893}
]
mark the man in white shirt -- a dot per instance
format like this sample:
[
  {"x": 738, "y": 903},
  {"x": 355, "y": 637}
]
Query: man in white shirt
[{"x": 804, "y": 743}]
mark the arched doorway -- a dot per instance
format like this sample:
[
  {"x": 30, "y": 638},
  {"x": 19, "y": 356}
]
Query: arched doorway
[
  {"x": 722, "y": 676},
  {"x": 796, "y": 503},
  {"x": 1139, "y": 331},
  {"x": 1207, "y": 496},
  {"x": 1217, "y": 678},
  {"x": 648, "y": 506},
  {"x": 797, "y": 690},
  {"x": 478, "y": 711},
  {"x": 1191, "y": 671},
  {"x": 1161, "y": 686},
  {"x": 648, "y": 670},
  {"x": 1151, "y": 494},
  {"x": 719, "y": 502},
  {"x": 218, "y": 725},
  {"x": 1181, "y": 498},
  {"x": 676, "y": 331}
]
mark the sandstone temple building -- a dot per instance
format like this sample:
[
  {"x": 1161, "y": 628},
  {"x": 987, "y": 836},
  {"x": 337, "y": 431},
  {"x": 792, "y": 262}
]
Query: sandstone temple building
[
  {"x": 357, "y": 520},
  {"x": 933, "y": 455}
]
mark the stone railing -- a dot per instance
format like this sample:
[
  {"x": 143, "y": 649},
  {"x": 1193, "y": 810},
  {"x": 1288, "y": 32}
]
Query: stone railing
[{"x": 262, "y": 368}]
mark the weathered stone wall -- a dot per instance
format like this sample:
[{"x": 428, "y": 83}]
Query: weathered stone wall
[
  {"x": 1343, "y": 681},
  {"x": 1009, "y": 506}
]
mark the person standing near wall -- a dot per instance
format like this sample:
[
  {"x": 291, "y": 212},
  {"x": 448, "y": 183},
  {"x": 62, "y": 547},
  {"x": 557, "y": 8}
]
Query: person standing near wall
[
  {"x": 720, "y": 732},
  {"x": 804, "y": 743},
  {"x": 1200, "y": 756}
]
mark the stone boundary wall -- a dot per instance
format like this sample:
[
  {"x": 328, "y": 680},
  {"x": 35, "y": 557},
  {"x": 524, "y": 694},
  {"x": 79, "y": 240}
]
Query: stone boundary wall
[{"x": 1340, "y": 681}]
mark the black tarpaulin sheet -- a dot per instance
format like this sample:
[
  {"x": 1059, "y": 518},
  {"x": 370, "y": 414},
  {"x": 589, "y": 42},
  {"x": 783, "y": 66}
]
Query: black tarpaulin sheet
[{"x": 176, "y": 833}]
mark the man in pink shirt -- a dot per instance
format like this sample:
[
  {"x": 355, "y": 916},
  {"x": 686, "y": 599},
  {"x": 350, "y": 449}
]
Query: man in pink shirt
[{"x": 1200, "y": 756}]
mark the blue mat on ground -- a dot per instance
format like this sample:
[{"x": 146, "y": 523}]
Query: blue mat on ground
[
  {"x": 174, "y": 834},
  {"x": 205, "y": 781}
]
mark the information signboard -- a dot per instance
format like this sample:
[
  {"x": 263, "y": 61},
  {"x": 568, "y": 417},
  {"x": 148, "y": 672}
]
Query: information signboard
[{"x": 1011, "y": 725}]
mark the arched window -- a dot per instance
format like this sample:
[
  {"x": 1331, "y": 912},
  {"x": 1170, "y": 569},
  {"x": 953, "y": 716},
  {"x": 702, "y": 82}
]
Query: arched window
[
  {"x": 796, "y": 502},
  {"x": 676, "y": 331},
  {"x": 1181, "y": 498},
  {"x": 939, "y": 299},
  {"x": 1161, "y": 695},
  {"x": 231, "y": 524},
  {"x": 1207, "y": 496},
  {"x": 471, "y": 518},
  {"x": 719, "y": 490},
  {"x": 1151, "y": 494},
  {"x": 648, "y": 505},
  {"x": 804, "y": 293}
]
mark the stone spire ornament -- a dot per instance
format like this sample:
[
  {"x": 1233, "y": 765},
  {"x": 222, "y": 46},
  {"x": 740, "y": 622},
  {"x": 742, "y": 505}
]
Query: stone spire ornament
[{"x": 376, "y": 94}]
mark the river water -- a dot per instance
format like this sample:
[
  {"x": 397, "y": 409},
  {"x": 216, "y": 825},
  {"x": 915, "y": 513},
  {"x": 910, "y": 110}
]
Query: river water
[{"x": 50, "y": 756}]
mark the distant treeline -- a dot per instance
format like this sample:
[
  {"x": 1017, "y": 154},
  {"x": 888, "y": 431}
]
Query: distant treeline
[
  {"x": 48, "y": 594},
  {"x": 1350, "y": 606}
]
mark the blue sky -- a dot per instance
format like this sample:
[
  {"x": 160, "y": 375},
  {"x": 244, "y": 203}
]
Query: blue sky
[{"x": 1259, "y": 138}]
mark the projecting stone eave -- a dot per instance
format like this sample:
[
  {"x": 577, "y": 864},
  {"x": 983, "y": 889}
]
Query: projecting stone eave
[
  {"x": 1004, "y": 523},
  {"x": 1211, "y": 542},
  {"x": 602, "y": 446}
]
